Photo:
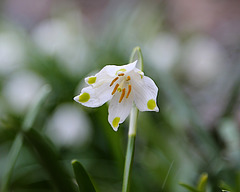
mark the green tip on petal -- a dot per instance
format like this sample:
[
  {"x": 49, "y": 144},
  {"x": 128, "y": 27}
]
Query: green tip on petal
[
  {"x": 140, "y": 73},
  {"x": 92, "y": 80},
  {"x": 151, "y": 104},
  {"x": 122, "y": 70},
  {"x": 84, "y": 97},
  {"x": 115, "y": 122}
]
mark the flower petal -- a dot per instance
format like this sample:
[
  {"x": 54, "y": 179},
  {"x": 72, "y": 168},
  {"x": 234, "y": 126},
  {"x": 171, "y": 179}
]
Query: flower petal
[
  {"x": 94, "y": 96},
  {"x": 126, "y": 68},
  {"x": 136, "y": 70},
  {"x": 114, "y": 70},
  {"x": 100, "y": 78},
  {"x": 118, "y": 111},
  {"x": 108, "y": 72},
  {"x": 145, "y": 93}
]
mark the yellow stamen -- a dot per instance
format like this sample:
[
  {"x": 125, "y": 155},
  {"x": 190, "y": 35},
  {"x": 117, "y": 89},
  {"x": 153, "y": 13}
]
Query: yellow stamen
[
  {"x": 128, "y": 78},
  {"x": 129, "y": 90},
  {"x": 122, "y": 95},
  {"x": 121, "y": 74},
  {"x": 113, "y": 81},
  {"x": 115, "y": 88}
]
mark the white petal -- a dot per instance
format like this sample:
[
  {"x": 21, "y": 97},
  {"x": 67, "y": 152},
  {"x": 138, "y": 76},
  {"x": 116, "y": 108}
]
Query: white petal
[
  {"x": 110, "y": 70},
  {"x": 94, "y": 97},
  {"x": 114, "y": 70},
  {"x": 145, "y": 93},
  {"x": 118, "y": 112},
  {"x": 100, "y": 78},
  {"x": 127, "y": 68},
  {"x": 138, "y": 71}
]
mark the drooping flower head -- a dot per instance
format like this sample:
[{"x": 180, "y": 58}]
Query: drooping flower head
[{"x": 122, "y": 86}]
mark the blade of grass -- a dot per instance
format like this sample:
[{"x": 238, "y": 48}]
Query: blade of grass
[
  {"x": 190, "y": 188},
  {"x": 84, "y": 182},
  {"x": 165, "y": 180},
  {"x": 35, "y": 107},
  {"x": 12, "y": 158},
  {"x": 202, "y": 184}
]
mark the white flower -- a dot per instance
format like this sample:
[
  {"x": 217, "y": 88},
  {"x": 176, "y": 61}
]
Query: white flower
[{"x": 121, "y": 85}]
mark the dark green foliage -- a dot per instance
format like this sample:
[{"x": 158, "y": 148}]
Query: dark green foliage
[{"x": 84, "y": 182}]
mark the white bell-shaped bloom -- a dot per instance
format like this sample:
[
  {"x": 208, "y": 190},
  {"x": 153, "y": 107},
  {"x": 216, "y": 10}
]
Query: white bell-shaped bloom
[{"x": 121, "y": 85}]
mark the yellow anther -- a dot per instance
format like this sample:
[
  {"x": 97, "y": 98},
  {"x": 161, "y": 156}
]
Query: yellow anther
[
  {"x": 121, "y": 74},
  {"x": 115, "y": 88},
  {"x": 128, "y": 78},
  {"x": 122, "y": 95},
  {"x": 129, "y": 90},
  {"x": 113, "y": 81}
]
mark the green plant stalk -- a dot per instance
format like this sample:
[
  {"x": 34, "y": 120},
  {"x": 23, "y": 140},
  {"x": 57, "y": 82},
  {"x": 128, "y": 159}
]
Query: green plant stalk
[
  {"x": 131, "y": 132},
  {"x": 130, "y": 149},
  {"x": 139, "y": 56}
]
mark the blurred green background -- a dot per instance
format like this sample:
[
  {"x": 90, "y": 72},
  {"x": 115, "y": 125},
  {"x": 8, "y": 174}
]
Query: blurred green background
[{"x": 191, "y": 51}]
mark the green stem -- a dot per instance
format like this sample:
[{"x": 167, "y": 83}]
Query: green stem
[
  {"x": 139, "y": 56},
  {"x": 132, "y": 131},
  {"x": 130, "y": 149}
]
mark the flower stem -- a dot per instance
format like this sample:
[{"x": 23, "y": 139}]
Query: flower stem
[
  {"x": 139, "y": 56},
  {"x": 132, "y": 131},
  {"x": 130, "y": 149}
]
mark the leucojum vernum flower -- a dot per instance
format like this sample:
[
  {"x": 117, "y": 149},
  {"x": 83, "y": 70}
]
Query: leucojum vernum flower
[{"x": 121, "y": 86}]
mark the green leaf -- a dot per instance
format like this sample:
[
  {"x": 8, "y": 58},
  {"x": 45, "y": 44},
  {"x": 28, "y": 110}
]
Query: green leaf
[
  {"x": 190, "y": 188},
  {"x": 84, "y": 182},
  {"x": 202, "y": 184},
  {"x": 12, "y": 158},
  {"x": 49, "y": 158},
  {"x": 35, "y": 107}
]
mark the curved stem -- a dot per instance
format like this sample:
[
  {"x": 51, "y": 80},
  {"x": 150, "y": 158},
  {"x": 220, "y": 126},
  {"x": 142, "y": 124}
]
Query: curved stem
[
  {"x": 132, "y": 131},
  {"x": 139, "y": 56}
]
